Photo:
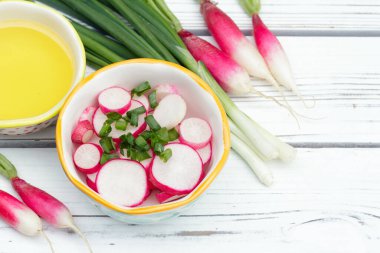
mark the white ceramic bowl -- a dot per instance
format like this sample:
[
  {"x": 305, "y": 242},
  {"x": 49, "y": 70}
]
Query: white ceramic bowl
[
  {"x": 54, "y": 22},
  {"x": 201, "y": 102}
]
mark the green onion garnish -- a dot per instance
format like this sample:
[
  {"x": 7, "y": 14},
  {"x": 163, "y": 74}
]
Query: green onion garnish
[
  {"x": 106, "y": 130},
  {"x": 158, "y": 148},
  {"x": 113, "y": 116},
  {"x": 121, "y": 124},
  {"x": 153, "y": 99},
  {"x": 138, "y": 111},
  {"x": 140, "y": 142},
  {"x": 146, "y": 134},
  {"x": 152, "y": 123},
  {"x": 173, "y": 134},
  {"x": 163, "y": 135},
  {"x": 164, "y": 156},
  {"x": 141, "y": 89},
  {"x": 106, "y": 157},
  {"x": 107, "y": 144},
  {"x": 134, "y": 119}
]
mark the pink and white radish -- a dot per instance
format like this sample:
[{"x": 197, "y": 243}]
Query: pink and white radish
[
  {"x": 231, "y": 76},
  {"x": 87, "y": 114},
  {"x": 162, "y": 90},
  {"x": 195, "y": 132},
  {"x": 143, "y": 100},
  {"x": 123, "y": 182},
  {"x": 91, "y": 181},
  {"x": 43, "y": 204},
  {"x": 18, "y": 215},
  {"x": 270, "y": 48},
  {"x": 180, "y": 174},
  {"x": 87, "y": 158},
  {"x": 82, "y": 132},
  {"x": 163, "y": 197},
  {"x": 205, "y": 153},
  {"x": 100, "y": 118},
  {"x": 114, "y": 99},
  {"x": 170, "y": 111},
  {"x": 233, "y": 42}
]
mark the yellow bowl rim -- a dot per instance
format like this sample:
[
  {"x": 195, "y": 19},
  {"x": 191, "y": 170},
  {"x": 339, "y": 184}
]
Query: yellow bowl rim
[
  {"x": 52, "y": 112},
  {"x": 162, "y": 207}
]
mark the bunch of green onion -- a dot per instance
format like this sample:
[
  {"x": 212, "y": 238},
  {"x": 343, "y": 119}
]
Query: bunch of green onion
[{"x": 115, "y": 30}]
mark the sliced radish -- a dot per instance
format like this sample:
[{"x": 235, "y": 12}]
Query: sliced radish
[
  {"x": 180, "y": 174},
  {"x": 170, "y": 111},
  {"x": 195, "y": 132},
  {"x": 83, "y": 132},
  {"x": 123, "y": 182},
  {"x": 163, "y": 197},
  {"x": 87, "y": 158},
  {"x": 114, "y": 99},
  {"x": 205, "y": 154},
  {"x": 143, "y": 100},
  {"x": 87, "y": 114},
  {"x": 165, "y": 89},
  {"x": 90, "y": 181},
  {"x": 100, "y": 118}
]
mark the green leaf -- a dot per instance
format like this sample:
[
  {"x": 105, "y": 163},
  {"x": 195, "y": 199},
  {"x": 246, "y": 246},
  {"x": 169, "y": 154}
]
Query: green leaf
[
  {"x": 106, "y": 130},
  {"x": 106, "y": 157}
]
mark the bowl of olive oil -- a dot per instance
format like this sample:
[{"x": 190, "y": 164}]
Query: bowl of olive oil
[{"x": 42, "y": 58}]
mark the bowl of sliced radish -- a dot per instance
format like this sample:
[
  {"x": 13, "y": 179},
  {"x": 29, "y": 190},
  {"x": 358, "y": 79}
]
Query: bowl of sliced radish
[{"x": 143, "y": 139}]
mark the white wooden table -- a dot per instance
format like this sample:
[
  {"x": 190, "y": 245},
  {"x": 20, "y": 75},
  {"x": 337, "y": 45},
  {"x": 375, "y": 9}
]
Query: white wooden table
[{"x": 328, "y": 200}]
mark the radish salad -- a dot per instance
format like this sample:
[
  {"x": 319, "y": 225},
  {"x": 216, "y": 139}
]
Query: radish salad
[{"x": 135, "y": 143}]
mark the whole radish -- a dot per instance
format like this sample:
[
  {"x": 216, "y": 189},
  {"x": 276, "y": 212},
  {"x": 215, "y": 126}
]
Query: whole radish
[
  {"x": 270, "y": 47},
  {"x": 233, "y": 42},
  {"x": 20, "y": 217},
  {"x": 42, "y": 203},
  {"x": 231, "y": 76}
]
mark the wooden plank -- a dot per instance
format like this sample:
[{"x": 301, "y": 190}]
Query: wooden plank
[
  {"x": 328, "y": 205},
  {"x": 342, "y": 75},
  {"x": 295, "y": 17}
]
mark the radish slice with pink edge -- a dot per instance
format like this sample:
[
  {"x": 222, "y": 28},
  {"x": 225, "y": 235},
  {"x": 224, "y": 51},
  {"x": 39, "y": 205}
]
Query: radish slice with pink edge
[
  {"x": 87, "y": 114},
  {"x": 180, "y": 174},
  {"x": 170, "y": 111},
  {"x": 114, "y": 99},
  {"x": 100, "y": 118},
  {"x": 143, "y": 100},
  {"x": 82, "y": 132},
  {"x": 87, "y": 158},
  {"x": 163, "y": 197},
  {"x": 165, "y": 89},
  {"x": 195, "y": 132},
  {"x": 205, "y": 153},
  {"x": 123, "y": 182},
  {"x": 91, "y": 181}
]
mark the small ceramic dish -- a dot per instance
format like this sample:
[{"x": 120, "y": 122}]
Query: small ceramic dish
[
  {"x": 60, "y": 26},
  {"x": 201, "y": 102}
]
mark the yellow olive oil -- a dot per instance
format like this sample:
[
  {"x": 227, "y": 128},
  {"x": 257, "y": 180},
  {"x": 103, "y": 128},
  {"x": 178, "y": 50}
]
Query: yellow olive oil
[{"x": 36, "y": 71}]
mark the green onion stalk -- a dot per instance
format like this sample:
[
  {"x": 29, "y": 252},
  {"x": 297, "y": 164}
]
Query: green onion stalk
[{"x": 155, "y": 27}]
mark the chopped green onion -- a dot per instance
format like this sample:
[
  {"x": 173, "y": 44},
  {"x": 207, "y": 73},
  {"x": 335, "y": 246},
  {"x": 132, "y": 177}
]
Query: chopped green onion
[
  {"x": 173, "y": 134},
  {"x": 106, "y": 157},
  {"x": 138, "y": 111},
  {"x": 106, "y": 130},
  {"x": 128, "y": 138},
  {"x": 163, "y": 135},
  {"x": 146, "y": 134},
  {"x": 164, "y": 156},
  {"x": 107, "y": 144},
  {"x": 134, "y": 119},
  {"x": 153, "y": 99},
  {"x": 138, "y": 155},
  {"x": 141, "y": 89},
  {"x": 140, "y": 142},
  {"x": 158, "y": 148},
  {"x": 121, "y": 124},
  {"x": 152, "y": 123},
  {"x": 114, "y": 116}
]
